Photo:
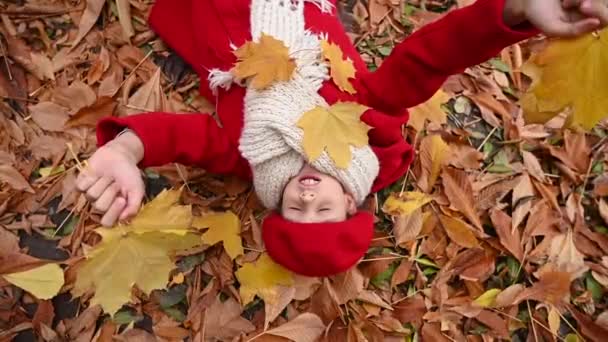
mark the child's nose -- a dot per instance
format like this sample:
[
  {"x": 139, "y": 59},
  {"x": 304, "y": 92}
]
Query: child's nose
[{"x": 307, "y": 196}]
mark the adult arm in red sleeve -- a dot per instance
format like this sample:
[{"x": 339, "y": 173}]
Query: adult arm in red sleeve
[
  {"x": 189, "y": 139},
  {"x": 419, "y": 65}
]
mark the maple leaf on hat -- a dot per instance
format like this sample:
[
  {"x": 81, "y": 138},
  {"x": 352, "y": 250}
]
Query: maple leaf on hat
[
  {"x": 264, "y": 63},
  {"x": 136, "y": 254},
  {"x": 340, "y": 69},
  {"x": 335, "y": 130},
  {"x": 568, "y": 75}
]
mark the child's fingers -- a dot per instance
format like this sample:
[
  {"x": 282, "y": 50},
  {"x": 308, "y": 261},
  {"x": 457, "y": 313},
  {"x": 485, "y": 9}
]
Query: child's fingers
[
  {"x": 106, "y": 199},
  {"x": 573, "y": 29},
  {"x": 595, "y": 9},
  {"x": 134, "y": 198},
  {"x": 98, "y": 188},
  {"x": 568, "y": 4},
  {"x": 85, "y": 180},
  {"x": 111, "y": 216}
]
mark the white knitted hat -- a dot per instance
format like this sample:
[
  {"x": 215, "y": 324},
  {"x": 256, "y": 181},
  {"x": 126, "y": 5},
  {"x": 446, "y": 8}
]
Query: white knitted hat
[{"x": 271, "y": 140}]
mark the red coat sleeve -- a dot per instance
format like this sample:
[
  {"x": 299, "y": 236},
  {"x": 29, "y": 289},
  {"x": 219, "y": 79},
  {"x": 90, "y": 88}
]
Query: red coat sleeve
[
  {"x": 419, "y": 65},
  {"x": 189, "y": 139}
]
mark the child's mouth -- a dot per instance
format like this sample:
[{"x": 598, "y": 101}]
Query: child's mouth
[{"x": 309, "y": 180}]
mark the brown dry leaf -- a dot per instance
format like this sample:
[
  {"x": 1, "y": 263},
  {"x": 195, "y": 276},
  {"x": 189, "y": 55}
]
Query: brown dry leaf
[
  {"x": 564, "y": 255},
  {"x": 75, "y": 97},
  {"x": 576, "y": 153},
  {"x": 494, "y": 322},
  {"x": 49, "y": 116},
  {"x": 307, "y": 327},
  {"x": 433, "y": 155},
  {"x": 509, "y": 238},
  {"x": 347, "y": 286},
  {"x": 533, "y": 166},
  {"x": 9, "y": 242},
  {"x": 407, "y": 227},
  {"x": 223, "y": 320},
  {"x": 341, "y": 70},
  {"x": 459, "y": 191},
  {"x": 36, "y": 63},
  {"x": 588, "y": 327},
  {"x": 264, "y": 63},
  {"x": 430, "y": 110},
  {"x": 402, "y": 272},
  {"x": 124, "y": 16},
  {"x": 89, "y": 116},
  {"x": 465, "y": 157},
  {"x": 603, "y": 207},
  {"x": 523, "y": 194},
  {"x": 552, "y": 288},
  {"x": 88, "y": 19},
  {"x": 459, "y": 232},
  {"x": 508, "y": 296},
  {"x": 14, "y": 179},
  {"x": 149, "y": 97}
]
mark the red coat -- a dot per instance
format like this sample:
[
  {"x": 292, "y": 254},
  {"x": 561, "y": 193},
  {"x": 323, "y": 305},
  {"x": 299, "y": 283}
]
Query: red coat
[{"x": 202, "y": 32}]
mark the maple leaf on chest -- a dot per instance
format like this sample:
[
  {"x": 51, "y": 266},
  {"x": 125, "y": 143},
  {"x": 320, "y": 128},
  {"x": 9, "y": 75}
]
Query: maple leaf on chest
[
  {"x": 335, "y": 130},
  {"x": 136, "y": 254},
  {"x": 264, "y": 63},
  {"x": 340, "y": 69},
  {"x": 569, "y": 74}
]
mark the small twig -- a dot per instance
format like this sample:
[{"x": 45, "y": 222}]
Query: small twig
[
  {"x": 387, "y": 258},
  {"x": 406, "y": 297},
  {"x": 532, "y": 318},
  {"x": 570, "y": 326},
  {"x": 18, "y": 99},
  {"x": 79, "y": 165},
  {"x": 64, "y": 221},
  {"x": 487, "y": 138},
  {"x": 532, "y": 323},
  {"x": 5, "y": 54},
  {"x": 253, "y": 250},
  {"x": 133, "y": 71}
]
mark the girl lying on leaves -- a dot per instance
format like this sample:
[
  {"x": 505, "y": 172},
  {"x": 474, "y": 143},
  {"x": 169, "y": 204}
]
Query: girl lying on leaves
[{"x": 316, "y": 228}]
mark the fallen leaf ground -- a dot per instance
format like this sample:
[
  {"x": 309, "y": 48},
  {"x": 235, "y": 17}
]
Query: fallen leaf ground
[{"x": 503, "y": 232}]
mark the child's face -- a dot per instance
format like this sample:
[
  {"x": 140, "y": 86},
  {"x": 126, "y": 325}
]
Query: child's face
[{"x": 312, "y": 196}]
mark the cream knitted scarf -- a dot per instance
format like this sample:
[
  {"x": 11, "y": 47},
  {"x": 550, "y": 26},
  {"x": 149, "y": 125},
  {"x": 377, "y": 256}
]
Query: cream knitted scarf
[{"x": 271, "y": 140}]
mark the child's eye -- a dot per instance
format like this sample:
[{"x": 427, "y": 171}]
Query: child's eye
[
  {"x": 295, "y": 208},
  {"x": 324, "y": 209}
]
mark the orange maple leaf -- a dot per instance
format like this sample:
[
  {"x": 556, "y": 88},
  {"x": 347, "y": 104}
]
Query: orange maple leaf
[
  {"x": 264, "y": 63},
  {"x": 340, "y": 69}
]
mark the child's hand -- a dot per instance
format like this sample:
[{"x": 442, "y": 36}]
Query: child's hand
[
  {"x": 112, "y": 180},
  {"x": 559, "y": 18}
]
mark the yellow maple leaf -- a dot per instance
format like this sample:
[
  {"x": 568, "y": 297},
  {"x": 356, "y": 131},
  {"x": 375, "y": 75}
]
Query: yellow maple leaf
[
  {"x": 568, "y": 76},
  {"x": 263, "y": 278},
  {"x": 43, "y": 282},
  {"x": 405, "y": 203},
  {"x": 487, "y": 299},
  {"x": 335, "y": 130},
  {"x": 264, "y": 63},
  {"x": 430, "y": 110},
  {"x": 340, "y": 69},
  {"x": 224, "y": 227},
  {"x": 136, "y": 254},
  {"x": 433, "y": 154}
]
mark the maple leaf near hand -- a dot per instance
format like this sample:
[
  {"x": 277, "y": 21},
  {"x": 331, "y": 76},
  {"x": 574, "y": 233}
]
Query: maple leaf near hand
[
  {"x": 334, "y": 129},
  {"x": 225, "y": 227},
  {"x": 340, "y": 69},
  {"x": 264, "y": 63},
  {"x": 136, "y": 254},
  {"x": 569, "y": 74}
]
